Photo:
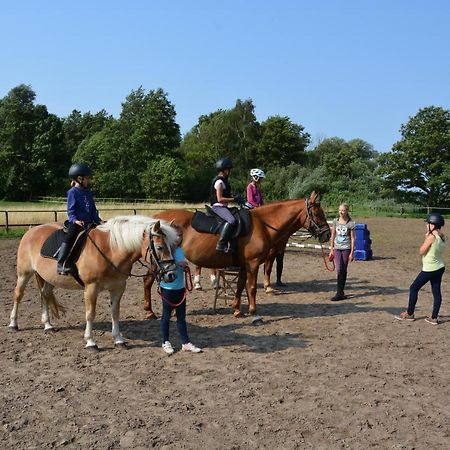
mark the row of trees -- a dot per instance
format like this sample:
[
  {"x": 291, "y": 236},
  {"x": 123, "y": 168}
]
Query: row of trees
[{"x": 142, "y": 154}]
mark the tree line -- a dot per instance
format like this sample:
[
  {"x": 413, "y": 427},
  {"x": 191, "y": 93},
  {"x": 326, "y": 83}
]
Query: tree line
[{"x": 141, "y": 153}]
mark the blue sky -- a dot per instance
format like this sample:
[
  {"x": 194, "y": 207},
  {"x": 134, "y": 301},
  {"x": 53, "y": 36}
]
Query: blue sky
[{"x": 353, "y": 69}]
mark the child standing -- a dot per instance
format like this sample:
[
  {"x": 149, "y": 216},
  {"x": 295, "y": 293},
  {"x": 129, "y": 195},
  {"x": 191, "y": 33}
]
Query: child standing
[
  {"x": 81, "y": 211},
  {"x": 433, "y": 268},
  {"x": 174, "y": 297},
  {"x": 342, "y": 247}
]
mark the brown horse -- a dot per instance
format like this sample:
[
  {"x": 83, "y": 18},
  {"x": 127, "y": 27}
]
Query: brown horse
[
  {"x": 271, "y": 226},
  {"x": 104, "y": 264}
]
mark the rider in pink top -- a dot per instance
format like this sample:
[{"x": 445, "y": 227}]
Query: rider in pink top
[{"x": 254, "y": 195}]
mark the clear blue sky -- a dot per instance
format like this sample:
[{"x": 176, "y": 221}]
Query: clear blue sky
[{"x": 340, "y": 68}]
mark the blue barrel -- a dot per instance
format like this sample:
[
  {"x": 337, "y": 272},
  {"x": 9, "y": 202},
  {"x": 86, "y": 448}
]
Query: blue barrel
[{"x": 363, "y": 243}]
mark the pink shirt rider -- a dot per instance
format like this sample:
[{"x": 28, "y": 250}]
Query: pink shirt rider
[{"x": 254, "y": 195}]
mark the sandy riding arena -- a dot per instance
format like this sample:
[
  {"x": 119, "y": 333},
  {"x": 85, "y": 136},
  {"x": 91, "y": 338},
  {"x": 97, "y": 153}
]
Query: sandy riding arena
[{"x": 316, "y": 374}]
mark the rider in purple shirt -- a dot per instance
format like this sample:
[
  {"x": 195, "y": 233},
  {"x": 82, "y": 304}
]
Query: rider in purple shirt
[{"x": 81, "y": 211}]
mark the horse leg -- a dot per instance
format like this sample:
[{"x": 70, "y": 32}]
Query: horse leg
[
  {"x": 149, "y": 279},
  {"x": 268, "y": 264},
  {"x": 252, "y": 277},
  {"x": 46, "y": 290},
  {"x": 116, "y": 295},
  {"x": 90, "y": 303},
  {"x": 22, "y": 280},
  {"x": 236, "y": 304}
]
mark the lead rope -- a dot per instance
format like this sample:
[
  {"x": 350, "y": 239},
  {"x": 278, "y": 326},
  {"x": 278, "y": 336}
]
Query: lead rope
[
  {"x": 325, "y": 261},
  {"x": 188, "y": 288}
]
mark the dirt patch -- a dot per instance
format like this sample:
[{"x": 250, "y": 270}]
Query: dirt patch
[{"x": 315, "y": 375}]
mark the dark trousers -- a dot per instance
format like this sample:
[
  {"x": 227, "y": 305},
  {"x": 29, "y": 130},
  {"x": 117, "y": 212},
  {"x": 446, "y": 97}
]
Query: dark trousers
[
  {"x": 72, "y": 232},
  {"x": 173, "y": 296},
  {"x": 423, "y": 278},
  {"x": 341, "y": 260}
]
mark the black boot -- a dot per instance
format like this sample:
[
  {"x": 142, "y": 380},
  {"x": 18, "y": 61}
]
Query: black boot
[
  {"x": 340, "y": 288},
  {"x": 279, "y": 259},
  {"x": 225, "y": 234},
  {"x": 62, "y": 268}
]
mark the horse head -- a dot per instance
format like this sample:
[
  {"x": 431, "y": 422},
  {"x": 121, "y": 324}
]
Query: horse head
[
  {"x": 317, "y": 222},
  {"x": 160, "y": 248}
]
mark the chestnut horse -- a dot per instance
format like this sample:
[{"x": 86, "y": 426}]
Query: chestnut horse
[
  {"x": 271, "y": 226},
  {"x": 104, "y": 264}
]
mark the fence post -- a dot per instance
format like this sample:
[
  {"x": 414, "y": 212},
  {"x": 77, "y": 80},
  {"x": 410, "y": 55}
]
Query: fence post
[
  {"x": 56, "y": 216},
  {"x": 134, "y": 211},
  {"x": 6, "y": 221}
]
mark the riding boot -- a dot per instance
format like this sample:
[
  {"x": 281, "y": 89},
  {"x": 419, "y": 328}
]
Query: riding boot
[
  {"x": 344, "y": 280},
  {"x": 340, "y": 288},
  {"x": 279, "y": 259},
  {"x": 62, "y": 268},
  {"x": 225, "y": 234}
]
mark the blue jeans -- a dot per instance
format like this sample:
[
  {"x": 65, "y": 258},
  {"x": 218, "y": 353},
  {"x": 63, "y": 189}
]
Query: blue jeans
[
  {"x": 173, "y": 296},
  {"x": 423, "y": 278}
]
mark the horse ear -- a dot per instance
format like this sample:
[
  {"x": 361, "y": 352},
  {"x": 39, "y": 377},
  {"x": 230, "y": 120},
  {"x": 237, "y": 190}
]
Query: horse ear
[
  {"x": 314, "y": 197},
  {"x": 172, "y": 223},
  {"x": 156, "y": 227}
]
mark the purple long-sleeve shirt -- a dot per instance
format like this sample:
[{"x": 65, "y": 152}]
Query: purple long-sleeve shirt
[{"x": 81, "y": 206}]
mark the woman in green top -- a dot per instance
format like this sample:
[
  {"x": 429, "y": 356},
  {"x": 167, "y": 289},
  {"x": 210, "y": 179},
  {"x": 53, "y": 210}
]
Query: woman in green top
[{"x": 432, "y": 269}]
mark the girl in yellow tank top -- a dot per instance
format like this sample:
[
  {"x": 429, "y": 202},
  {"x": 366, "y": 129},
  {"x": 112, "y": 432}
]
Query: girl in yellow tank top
[{"x": 433, "y": 268}]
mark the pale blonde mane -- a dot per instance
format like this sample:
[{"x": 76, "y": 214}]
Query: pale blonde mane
[{"x": 127, "y": 232}]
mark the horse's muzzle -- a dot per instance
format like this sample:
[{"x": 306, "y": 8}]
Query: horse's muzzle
[
  {"x": 324, "y": 235},
  {"x": 169, "y": 277}
]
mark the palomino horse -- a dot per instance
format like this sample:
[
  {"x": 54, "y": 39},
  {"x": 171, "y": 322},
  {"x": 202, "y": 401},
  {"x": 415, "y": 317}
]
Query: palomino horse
[
  {"x": 271, "y": 226},
  {"x": 105, "y": 263}
]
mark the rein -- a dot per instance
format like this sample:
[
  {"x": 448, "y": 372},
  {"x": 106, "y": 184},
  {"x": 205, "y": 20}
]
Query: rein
[
  {"x": 189, "y": 287},
  {"x": 127, "y": 274}
]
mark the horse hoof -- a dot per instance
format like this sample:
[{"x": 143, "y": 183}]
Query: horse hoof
[
  {"x": 13, "y": 328},
  {"x": 120, "y": 345},
  {"x": 237, "y": 314},
  {"x": 51, "y": 330},
  {"x": 151, "y": 317},
  {"x": 269, "y": 290},
  {"x": 257, "y": 320},
  {"x": 93, "y": 348}
]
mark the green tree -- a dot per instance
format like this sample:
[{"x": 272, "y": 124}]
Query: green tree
[
  {"x": 282, "y": 143},
  {"x": 125, "y": 148},
  {"x": 163, "y": 178},
  {"x": 420, "y": 161},
  {"x": 31, "y": 147},
  {"x": 232, "y": 133},
  {"x": 78, "y": 126}
]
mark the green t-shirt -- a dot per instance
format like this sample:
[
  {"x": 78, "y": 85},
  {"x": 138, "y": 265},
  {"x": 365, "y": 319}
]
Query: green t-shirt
[{"x": 432, "y": 260}]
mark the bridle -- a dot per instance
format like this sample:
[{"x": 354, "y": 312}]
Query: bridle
[
  {"x": 163, "y": 266},
  {"x": 159, "y": 267},
  {"x": 314, "y": 228}
]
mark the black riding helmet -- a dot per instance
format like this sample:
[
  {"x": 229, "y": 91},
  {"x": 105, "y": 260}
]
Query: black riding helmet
[
  {"x": 79, "y": 170},
  {"x": 435, "y": 219},
  {"x": 224, "y": 163}
]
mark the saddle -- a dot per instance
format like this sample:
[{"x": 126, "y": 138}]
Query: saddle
[
  {"x": 211, "y": 223},
  {"x": 52, "y": 244}
]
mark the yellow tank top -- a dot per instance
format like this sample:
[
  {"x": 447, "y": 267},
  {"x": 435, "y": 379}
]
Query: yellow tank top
[{"x": 432, "y": 260}]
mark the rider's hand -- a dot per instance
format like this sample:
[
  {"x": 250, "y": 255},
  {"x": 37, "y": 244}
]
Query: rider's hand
[
  {"x": 80, "y": 223},
  {"x": 238, "y": 199}
]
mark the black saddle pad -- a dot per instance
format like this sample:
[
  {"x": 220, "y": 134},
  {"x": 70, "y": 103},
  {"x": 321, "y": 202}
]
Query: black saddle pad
[
  {"x": 205, "y": 223},
  {"x": 50, "y": 248}
]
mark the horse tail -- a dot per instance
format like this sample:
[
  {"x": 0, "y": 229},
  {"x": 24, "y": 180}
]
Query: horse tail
[{"x": 55, "y": 308}]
